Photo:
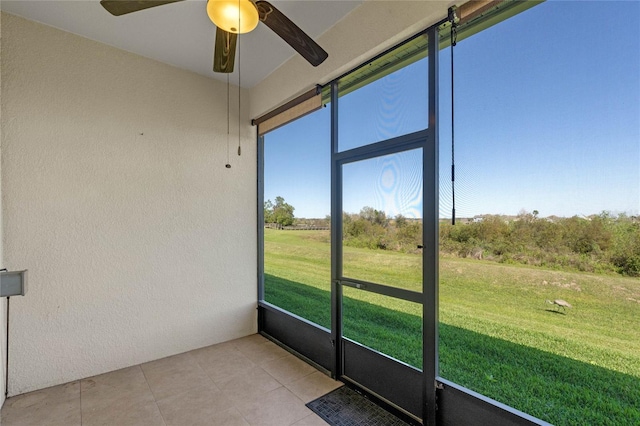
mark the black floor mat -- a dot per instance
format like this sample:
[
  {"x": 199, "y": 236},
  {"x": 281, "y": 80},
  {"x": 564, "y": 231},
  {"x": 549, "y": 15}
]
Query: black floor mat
[{"x": 346, "y": 407}]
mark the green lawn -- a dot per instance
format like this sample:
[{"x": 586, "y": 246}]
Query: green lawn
[{"x": 497, "y": 334}]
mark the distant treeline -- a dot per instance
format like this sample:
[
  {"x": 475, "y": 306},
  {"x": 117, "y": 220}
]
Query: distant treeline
[{"x": 599, "y": 243}]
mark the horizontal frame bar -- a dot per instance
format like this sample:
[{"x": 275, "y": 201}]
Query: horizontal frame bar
[
  {"x": 288, "y": 105},
  {"x": 398, "y": 293},
  {"x": 378, "y": 149}
]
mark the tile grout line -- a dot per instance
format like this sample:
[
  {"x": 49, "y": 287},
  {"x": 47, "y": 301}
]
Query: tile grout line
[
  {"x": 155, "y": 401},
  {"x": 214, "y": 383},
  {"x": 235, "y": 346},
  {"x": 282, "y": 385},
  {"x": 80, "y": 401}
]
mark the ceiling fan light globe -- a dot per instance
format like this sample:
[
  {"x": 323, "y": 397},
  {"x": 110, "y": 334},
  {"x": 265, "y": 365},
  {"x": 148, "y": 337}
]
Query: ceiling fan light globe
[{"x": 233, "y": 16}]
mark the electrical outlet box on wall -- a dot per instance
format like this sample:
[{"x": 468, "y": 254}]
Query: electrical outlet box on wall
[{"x": 13, "y": 283}]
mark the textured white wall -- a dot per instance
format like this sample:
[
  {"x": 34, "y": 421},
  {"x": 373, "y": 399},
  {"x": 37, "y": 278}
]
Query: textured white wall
[
  {"x": 139, "y": 242},
  {"x": 371, "y": 28}
]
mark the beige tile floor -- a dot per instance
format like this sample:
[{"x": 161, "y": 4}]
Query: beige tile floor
[{"x": 249, "y": 381}]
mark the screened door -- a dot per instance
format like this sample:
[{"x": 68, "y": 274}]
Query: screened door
[{"x": 380, "y": 284}]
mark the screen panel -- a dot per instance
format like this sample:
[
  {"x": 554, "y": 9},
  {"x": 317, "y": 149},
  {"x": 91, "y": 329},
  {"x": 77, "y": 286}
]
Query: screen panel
[
  {"x": 537, "y": 297},
  {"x": 297, "y": 204}
]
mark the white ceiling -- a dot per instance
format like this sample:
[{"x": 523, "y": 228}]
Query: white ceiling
[{"x": 181, "y": 34}]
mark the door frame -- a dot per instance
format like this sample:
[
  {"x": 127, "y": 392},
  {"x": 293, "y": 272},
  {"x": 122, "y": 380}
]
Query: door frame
[
  {"x": 325, "y": 348},
  {"x": 389, "y": 380}
]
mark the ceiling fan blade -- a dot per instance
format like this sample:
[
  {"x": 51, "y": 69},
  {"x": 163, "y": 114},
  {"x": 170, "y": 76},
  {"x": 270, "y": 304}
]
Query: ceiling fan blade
[
  {"x": 122, "y": 7},
  {"x": 225, "y": 51},
  {"x": 291, "y": 33}
]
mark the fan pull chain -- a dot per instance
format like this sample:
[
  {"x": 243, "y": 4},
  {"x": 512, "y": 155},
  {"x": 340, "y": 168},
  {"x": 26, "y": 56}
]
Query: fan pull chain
[
  {"x": 239, "y": 80},
  {"x": 239, "y": 89},
  {"x": 454, "y": 36},
  {"x": 228, "y": 165}
]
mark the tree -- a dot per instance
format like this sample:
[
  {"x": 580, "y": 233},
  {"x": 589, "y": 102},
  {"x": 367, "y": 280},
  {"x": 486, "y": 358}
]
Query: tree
[
  {"x": 625, "y": 252},
  {"x": 279, "y": 212},
  {"x": 376, "y": 217},
  {"x": 400, "y": 221},
  {"x": 268, "y": 212}
]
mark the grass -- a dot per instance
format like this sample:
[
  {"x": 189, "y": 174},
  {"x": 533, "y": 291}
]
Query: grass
[{"x": 497, "y": 334}]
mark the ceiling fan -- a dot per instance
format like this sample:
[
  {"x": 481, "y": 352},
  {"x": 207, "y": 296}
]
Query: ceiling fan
[{"x": 233, "y": 17}]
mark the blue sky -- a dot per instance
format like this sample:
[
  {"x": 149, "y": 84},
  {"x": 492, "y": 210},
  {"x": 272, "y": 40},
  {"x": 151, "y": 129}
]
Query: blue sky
[{"x": 547, "y": 118}]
